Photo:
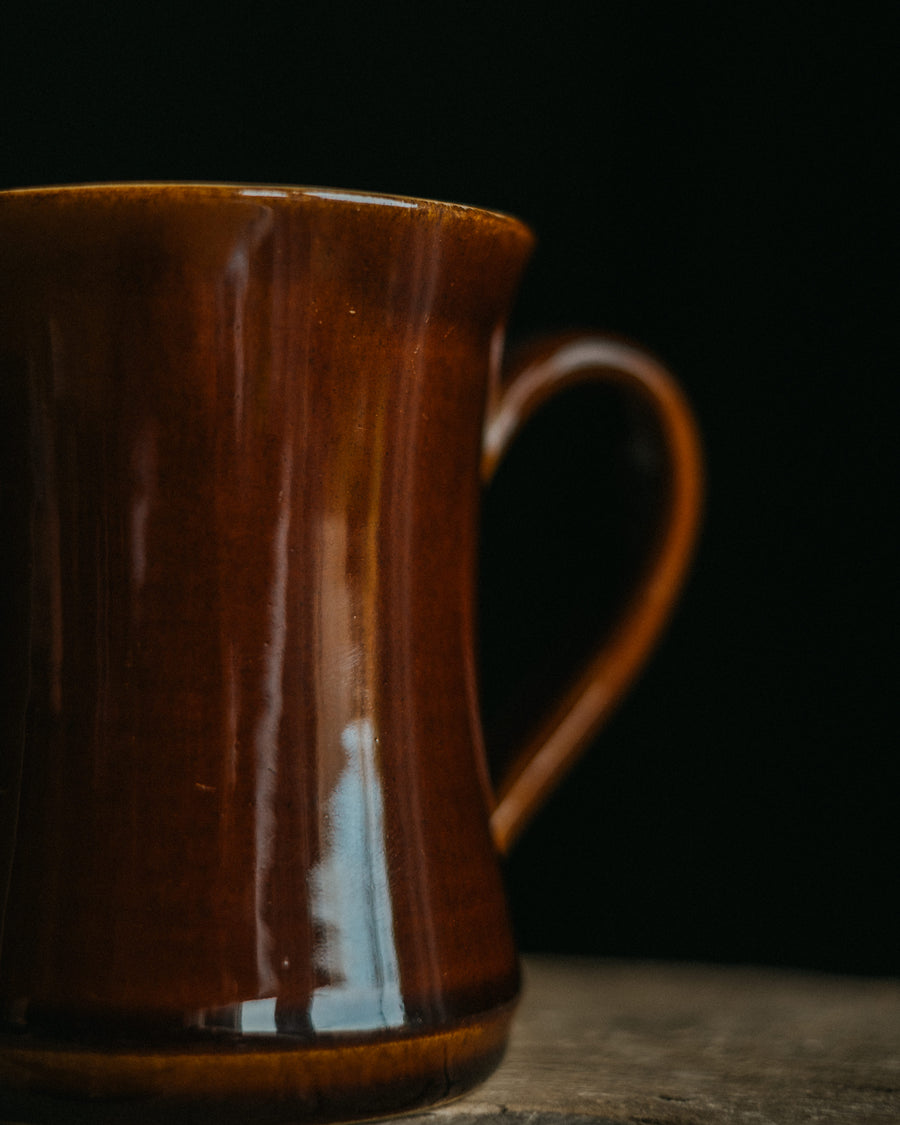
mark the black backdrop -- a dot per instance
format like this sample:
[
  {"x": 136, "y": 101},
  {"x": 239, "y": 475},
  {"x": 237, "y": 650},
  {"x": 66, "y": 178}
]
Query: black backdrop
[{"x": 714, "y": 181}]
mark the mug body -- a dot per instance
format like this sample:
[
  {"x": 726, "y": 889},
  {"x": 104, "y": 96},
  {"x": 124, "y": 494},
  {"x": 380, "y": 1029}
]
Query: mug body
[{"x": 244, "y": 844}]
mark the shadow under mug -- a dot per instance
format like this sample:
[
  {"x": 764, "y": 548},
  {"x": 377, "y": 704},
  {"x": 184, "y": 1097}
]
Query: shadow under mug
[{"x": 248, "y": 840}]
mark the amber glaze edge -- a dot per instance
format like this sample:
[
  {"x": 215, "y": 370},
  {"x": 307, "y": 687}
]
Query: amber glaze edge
[
  {"x": 241, "y": 189},
  {"x": 465, "y": 1053}
]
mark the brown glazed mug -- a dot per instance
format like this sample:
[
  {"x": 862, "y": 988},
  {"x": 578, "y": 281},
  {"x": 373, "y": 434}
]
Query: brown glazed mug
[{"x": 248, "y": 841}]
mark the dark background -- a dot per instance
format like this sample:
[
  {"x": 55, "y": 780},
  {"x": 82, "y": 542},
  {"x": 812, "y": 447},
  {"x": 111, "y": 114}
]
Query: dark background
[{"x": 713, "y": 180}]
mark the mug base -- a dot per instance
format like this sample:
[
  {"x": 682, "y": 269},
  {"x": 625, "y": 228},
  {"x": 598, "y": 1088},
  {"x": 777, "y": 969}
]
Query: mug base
[{"x": 341, "y": 1079}]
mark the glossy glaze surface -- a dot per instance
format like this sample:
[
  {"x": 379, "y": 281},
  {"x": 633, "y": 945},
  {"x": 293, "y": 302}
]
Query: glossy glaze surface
[
  {"x": 244, "y": 804},
  {"x": 251, "y": 733}
]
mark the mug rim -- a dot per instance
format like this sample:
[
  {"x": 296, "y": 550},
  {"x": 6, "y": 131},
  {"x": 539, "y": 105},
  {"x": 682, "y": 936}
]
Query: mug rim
[{"x": 291, "y": 192}]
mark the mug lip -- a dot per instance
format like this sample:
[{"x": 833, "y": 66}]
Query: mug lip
[{"x": 344, "y": 196}]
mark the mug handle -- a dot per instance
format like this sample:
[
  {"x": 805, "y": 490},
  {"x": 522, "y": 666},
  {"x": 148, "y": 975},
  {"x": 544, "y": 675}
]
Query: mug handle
[{"x": 548, "y": 368}]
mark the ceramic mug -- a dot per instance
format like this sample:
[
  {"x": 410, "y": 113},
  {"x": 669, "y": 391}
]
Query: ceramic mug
[{"x": 248, "y": 841}]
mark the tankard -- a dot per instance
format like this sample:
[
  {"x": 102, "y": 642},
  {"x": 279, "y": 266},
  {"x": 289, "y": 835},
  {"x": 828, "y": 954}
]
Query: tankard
[{"x": 248, "y": 838}]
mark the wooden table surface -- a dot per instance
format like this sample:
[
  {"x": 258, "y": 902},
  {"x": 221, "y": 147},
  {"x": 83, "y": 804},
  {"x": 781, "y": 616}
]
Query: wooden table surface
[{"x": 602, "y": 1042}]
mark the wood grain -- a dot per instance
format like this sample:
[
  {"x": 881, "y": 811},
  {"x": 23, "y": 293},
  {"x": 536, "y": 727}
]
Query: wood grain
[{"x": 660, "y": 1044}]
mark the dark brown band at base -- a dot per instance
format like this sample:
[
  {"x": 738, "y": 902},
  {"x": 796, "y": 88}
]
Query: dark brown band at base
[{"x": 44, "y": 1084}]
